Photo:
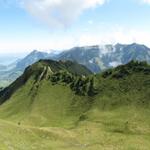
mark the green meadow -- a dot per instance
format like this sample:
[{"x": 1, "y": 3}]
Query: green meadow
[{"x": 55, "y": 108}]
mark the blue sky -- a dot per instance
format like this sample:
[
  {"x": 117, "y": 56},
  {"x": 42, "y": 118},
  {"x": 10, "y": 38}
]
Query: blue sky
[{"x": 61, "y": 24}]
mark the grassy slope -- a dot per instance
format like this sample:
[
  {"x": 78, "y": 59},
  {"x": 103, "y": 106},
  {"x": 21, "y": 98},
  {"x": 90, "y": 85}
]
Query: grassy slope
[
  {"x": 107, "y": 130},
  {"x": 53, "y": 117},
  {"x": 48, "y": 105}
]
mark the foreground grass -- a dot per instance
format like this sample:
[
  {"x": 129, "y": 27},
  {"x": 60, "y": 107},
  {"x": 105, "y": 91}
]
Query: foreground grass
[{"x": 118, "y": 129}]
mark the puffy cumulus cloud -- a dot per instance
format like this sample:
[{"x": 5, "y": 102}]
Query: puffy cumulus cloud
[{"x": 58, "y": 13}]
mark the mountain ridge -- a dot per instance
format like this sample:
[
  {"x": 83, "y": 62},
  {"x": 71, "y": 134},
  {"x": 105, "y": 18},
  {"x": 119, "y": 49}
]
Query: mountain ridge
[
  {"x": 96, "y": 58},
  {"x": 77, "y": 78},
  {"x": 39, "y": 70}
]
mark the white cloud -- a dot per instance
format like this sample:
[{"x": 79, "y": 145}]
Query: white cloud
[
  {"x": 111, "y": 36},
  {"x": 58, "y": 13},
  {"x": 145, "y": 1}
]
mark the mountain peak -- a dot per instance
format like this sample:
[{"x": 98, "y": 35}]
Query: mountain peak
[
  {"x": 37, "y": 52},
  {"x": 70, "y": 66},
  {"x": 34, "y": 51}
]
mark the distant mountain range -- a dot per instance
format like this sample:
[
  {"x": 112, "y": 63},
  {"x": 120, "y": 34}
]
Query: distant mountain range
[
  {"x": 99, "y": 58},
  {"x": 96, "y": 58}
]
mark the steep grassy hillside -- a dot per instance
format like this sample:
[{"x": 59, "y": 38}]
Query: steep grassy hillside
[
  {"x": 53, "y": 106},
  {"x": 36, "y": 95},
  {"x": 124, "y": 86},
  {"x": 43, "y": 70}
]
